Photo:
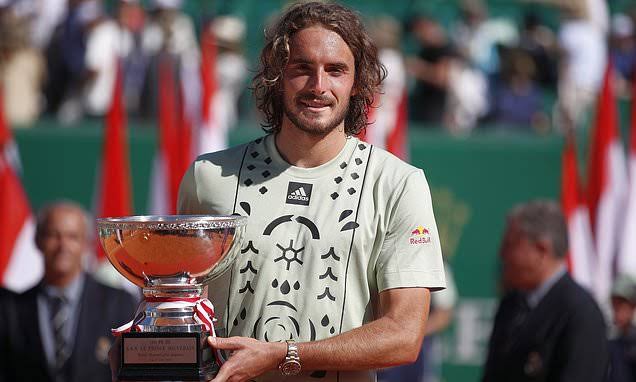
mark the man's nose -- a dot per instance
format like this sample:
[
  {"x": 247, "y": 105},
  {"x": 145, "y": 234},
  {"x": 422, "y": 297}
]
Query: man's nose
[{"x": 317, "y": 82}]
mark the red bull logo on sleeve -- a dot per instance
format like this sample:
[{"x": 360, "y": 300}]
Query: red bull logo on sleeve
[{"x": 420, "y": 235}]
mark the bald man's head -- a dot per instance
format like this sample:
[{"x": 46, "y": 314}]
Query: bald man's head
[{"x": 62, "y": 237}]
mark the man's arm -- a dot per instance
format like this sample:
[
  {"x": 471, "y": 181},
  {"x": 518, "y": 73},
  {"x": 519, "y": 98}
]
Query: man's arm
[{"x": 393, "y": 339}]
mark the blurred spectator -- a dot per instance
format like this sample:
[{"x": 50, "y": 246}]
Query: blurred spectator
[
  {"x": 430, "y": 69},
  {"x": 231, "y": 68},
  {"x": 21, "y": 68},
  {"x": 623, "y": 51},
  {"x": 623, "y": 337},
  {"x": 467, "y": 96},
  {"x": 388, "y": 105},
  {"x": 428, "y": 366},
  {"x": 170, "y": 30},
  {"x": 65, "y": 62},
  {"x": 46, "y": 16},
  {"x": 537, "y": 40},
  {"x": 131, "y": 19},
  {"x": 168, "y": 35},
  {"x": 547, "y": 327},
  {"x": 62, "y": 326},
  {"x": 582, "y": 40},
  {"x": 476, "y": 36},
  {"x": 111, "y": 43},
  {"x": 104, "y": 46},
  {"x": 515, "y": 97}
]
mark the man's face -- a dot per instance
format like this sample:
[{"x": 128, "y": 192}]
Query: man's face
[
  {"x": 62, "y": 243},
  {"x": 623, "y": 311},
  {"x": 522, "y": 260},
  {"x": 317, "y": 81}
]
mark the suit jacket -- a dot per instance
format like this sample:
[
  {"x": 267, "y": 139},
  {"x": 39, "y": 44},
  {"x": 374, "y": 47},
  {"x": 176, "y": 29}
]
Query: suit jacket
[
  {"x": 101, "y": 309},
  {"x": 562, "y": 339},
  {"x": 6, "y": 313}
]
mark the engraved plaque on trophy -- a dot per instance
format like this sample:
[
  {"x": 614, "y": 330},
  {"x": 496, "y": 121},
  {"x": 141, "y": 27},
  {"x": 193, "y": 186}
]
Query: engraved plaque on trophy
[{"x": 170, "y": 257}]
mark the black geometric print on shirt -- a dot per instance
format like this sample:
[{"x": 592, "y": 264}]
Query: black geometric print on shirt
[
  {"x": 329, "y": 254},
  {"x": 251, "y": 167},
  {"x": 349, "y": 226},
  {"x": 247, "y": 287},
  {"x": 254, "y": 154},
  {"x": 343, "y": 165},
  {"x": 328, "y": 273},
  {"x": 248, "y": 182},
  {"x": 362, "y": 146},
  {"x": 315, "y": 233},
  {"x": 355, "y": 175},
  {"x": 327, "y": 294},
  {"x": 249, "y": 267},
  {"x": 242, "y": 316},
  {"x": 289, "y": 254},
  {"x": 351, "y": 191},
  {"x": 266, "y": 174},
  {"x": 325, "y": 322},
  {"x": 246, "y": 207},
  {"x": 263, "y": 190},
  {"x": 344, "y": 214},
  {"x": 249, "y": 247},
  {"x": 337, "y": 179},
  {"x": 334, "y": 196},
  {"x": 285, "y": 288},
  {"x": 268, "y": 160},
  {"x": 358, "y": 161},
  {"x": 280, "y": 316}
]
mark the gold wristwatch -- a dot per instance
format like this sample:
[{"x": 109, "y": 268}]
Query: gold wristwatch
[{"x": 291, "y": 364}]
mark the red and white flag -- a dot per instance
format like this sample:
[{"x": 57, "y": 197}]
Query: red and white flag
[
  {"x": 21, "y": 265},
  {"x": 174, "y": 153},
  {"x": 580, "y": 257},
  {"x": 627, "y": 254},
  {"x": 113, "y": 192},
  {"x": 388, "y": 116},
  {"x": 607, "y": 186}
]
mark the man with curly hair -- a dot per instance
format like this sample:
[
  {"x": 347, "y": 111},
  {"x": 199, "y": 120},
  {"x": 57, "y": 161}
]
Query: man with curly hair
[{"x": 341, "y": 250}]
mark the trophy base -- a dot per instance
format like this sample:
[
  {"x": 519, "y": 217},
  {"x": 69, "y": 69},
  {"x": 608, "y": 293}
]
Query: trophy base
[{"x": 166, "y": 357}]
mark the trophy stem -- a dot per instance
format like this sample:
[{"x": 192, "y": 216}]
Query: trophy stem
[{"x": 172, "y": 291}]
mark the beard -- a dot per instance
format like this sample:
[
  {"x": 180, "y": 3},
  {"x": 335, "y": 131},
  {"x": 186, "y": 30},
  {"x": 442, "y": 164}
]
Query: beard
[{"x": 314, "y": 124}]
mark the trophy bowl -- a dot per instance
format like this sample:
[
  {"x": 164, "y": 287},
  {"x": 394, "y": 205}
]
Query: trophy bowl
[{"x": 171, "y": 257}]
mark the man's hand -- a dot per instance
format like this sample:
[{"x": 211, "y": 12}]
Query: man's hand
[{"x": 248, "y": 358}]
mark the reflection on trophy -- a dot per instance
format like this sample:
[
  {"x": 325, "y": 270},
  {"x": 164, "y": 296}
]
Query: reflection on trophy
[{"x": 170, "y": 257}]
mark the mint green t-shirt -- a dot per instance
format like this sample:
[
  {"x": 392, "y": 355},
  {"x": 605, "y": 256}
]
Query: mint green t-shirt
[{"x": 320, "y": 243}]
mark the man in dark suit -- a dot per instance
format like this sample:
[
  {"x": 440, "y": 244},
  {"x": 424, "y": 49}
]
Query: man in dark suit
[
  {"x": 547, "y": 327},
  {"x": 6, "y": 316},
  {"x": 61, "y": 327}
]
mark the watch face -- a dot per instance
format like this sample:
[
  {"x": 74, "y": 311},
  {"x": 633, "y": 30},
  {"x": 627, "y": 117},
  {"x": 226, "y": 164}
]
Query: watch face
[{"x": 290, "y": 368}]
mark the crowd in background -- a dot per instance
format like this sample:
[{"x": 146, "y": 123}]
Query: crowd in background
[{"x": 58, "y": 58}]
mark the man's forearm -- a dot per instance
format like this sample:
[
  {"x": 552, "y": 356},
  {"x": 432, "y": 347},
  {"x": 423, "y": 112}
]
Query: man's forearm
[
  {"x": 378, "y": 344},
  {"x": 391, "y": 340}
]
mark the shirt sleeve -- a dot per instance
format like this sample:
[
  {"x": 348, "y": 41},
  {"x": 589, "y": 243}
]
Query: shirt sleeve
[{"x": 411, "y": 254}]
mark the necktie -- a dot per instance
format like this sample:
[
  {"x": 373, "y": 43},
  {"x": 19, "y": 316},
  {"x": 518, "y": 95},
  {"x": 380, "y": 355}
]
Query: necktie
[{"x": 60, "y": 314}]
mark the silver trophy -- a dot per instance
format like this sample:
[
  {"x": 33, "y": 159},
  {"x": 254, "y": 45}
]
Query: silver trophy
[{"x": 170, "y": 257}]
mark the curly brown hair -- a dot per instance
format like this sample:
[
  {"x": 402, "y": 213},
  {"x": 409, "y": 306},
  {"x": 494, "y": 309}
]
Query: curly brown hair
[{"x": 369, "y": 72}]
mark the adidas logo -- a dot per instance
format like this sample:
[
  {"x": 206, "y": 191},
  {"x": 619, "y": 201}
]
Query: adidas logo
[{"x": 299, "y": 193}]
